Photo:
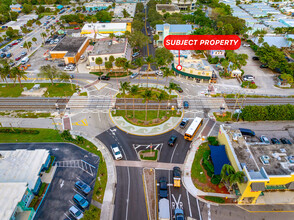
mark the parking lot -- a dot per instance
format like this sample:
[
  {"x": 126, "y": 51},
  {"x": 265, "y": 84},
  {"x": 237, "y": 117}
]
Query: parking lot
[{"x": 73, "y": 164}]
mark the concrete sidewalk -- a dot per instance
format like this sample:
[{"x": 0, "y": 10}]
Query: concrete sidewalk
[
  {"x": 187, "y": 180},
  {"x": 129, "y": 128},
  {"x": 149, "y": 164}
]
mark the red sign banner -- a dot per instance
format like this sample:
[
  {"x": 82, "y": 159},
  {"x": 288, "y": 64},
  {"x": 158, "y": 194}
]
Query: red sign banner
[{"x": 202, "y": 42}]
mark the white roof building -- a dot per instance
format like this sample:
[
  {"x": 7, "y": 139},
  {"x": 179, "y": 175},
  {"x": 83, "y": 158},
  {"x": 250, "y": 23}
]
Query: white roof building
[
  {"x": 104, "y": 28},
  {"x": 21, "y": 21}
]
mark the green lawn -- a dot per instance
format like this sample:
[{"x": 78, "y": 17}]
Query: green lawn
[
  {"x": 215, "y": 199},
  {"x": 83, "y": 94},
  {"x": 142, "y": 90},
  {"x": 96, "y": 73},
  {"x": 227, "y": 117},
  {"x": 196, "y": 167},
  {"x": 292, "y": 55},
  {"x": 93, "y": 213},
  {"x": 148, "y": 158},
  {"x": 56, "y": 90}
]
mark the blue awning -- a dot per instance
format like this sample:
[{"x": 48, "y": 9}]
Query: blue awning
[{"x": 219, "y": 158}]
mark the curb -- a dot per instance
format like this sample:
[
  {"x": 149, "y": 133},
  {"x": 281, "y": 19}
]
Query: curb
[{"x": 107, "y": 208}]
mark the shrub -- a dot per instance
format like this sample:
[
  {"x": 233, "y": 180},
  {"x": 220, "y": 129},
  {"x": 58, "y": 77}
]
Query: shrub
[
  {"x": 206, "y": 155},
  {"x": 66, "y": 135},
  {"x": 80, "y": 140},
  {"x": 212, "y": 141},
  {"x": 42, "y": 189},
  {"x": 207, "y": 166},
  {"x": 34, "y": 201},
  {"x": 18, "y": 131},
  {"x": 216, "y": 179},
  {"x": 215, "y": 199}
]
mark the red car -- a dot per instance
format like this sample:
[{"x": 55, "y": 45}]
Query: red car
[
  {"x": 76, "y": 28},
  {"x": 17, "y": 58},
  {"x": 15, "y": 43}
]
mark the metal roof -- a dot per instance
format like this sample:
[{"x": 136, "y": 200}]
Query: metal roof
[{"x": 175, "y": 28}]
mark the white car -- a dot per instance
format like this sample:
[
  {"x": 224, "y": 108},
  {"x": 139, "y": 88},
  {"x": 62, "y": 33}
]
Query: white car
[
  {"x": 134, "y": 75},
  {"x": 159, "y": 73},
  {"x": 82, "y": 57},
  {"x": 116, "y": 152},
  {"x": 69, "y": 68},
  {"x": 75, "y": 212},
  {"x": 246, "y": 45}
]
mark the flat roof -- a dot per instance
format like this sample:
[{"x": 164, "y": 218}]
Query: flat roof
[
  {"x": 70, "y": 44},
  {"x": 167, "y": 7},
  {"x": 11, "y": 194},
  {"x": 22, "y": 165},
  {"x": 250, "y": 151},
  {"x": 105, "y": 47}
]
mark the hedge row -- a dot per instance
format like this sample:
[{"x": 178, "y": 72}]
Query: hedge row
[
  {"x": 18, "y": 131},
  {"x": 270, "y": 112}
]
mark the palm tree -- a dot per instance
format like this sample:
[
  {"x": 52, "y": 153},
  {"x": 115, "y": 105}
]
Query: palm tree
[
  {"x": 18, "y": 73},
  {"x": 139, "y": 62},
  {"x": 108, "y": 65},
  {"x": 127, "y": 66},
  {"x": 226, "y": 172},
  {"x": 149, "y": 60},
  {"x": 172, "y": 86},
  {"x": 161, "y": 96},
  {"x": 49, "y": 72},
  {"x": 34, "y": 39},
  {"x": 43, "y": 35},
  {"x": 156, "y": 38},
  {"x": 111, "y": 36},
  {"x": 237, "y": 177},
  {"x": 99, "y": 61},
  {"x": 147, "y": 95},
  {"x": 111, "y": 59},
  {"x": 166, "y": 73},
  {"x": 134, "y": 91},
  {"x": 4, "y": 74},
  {"x": 124, "y": 86}
]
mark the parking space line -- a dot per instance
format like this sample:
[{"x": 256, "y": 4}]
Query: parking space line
[{"x": 67, "y": 216}]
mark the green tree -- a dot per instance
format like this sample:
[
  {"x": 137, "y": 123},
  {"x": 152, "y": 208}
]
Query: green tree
[
  {"x": 147, "y": 96},
  {"x": 19, "y": 74},
  {"x": 27, "y": 8},
  {"x": 38, "y": 23},
  {"x": 50, "y": 72},
  {"x": 99, "y": 61},
  {"x": 43, "y": 35},
  {"x": 137, "y": 25},
  {"x": 166, "y": 73},
  {"x": 172, "y": 86},
  {"x": 138, "y": 39},
  {"x": 149, "y": 61},
  {"x": 34, "y": 40},
  {"x": 225, "y": 63},
  {"x": 108, "y": 65},
  {"x": 287, "y": 77},
  {"x": 226, "y": 172},
  {"x": 125, "y": 13},
  {"x": 161, "y": 96},
  {"x": 134, "y": 91},
  {"x": 124, "y": 87},
  {"x": 237, "y": 177}
]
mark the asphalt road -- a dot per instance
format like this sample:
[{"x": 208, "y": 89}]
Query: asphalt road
[{"x": 59, "y": 196}]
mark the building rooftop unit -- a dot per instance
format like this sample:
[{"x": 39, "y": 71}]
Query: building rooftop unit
[
  {"x": 11, "y": 194},
  {"x": 274, "y": 159},
  {"x": 22, "y": 165},
  {"x": 70, "y": 44},
  {"x": 104, "y": 47}
]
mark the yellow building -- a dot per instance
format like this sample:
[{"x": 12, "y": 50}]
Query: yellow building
[{"x": 268, "y": 169}]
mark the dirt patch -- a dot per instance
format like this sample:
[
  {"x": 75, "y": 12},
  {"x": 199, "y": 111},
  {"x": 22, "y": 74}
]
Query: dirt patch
[
  {"x": 148, "y": 154},
  {"x": 38, "y": 93},
  {"x": 149, "y": 186}
]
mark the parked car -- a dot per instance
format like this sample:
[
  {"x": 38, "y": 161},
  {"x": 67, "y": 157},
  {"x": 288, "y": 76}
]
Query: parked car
[
  {"x": 135, "y": 54},
  {"x": 25, "y": 60},
  {"x": 75, "y": 212},
  {"x": 159, "y": 73},
  {"x": 186, "y": 104},
  {"x": 248, "y": 78},
  {"x": 103, "y": 78},
  {"x": 8, "y": 55},
  {"x": 21, "y": 45},
  {"x": 3, "y": 55},
  {"x": 263, "y": 66},
  {"x": 69, "y": 68},
  {"x": 80, "y": 201},
  {"x": 134, "y": 75},
  {"x": 255, "y": 58},
  {"x": 72, "y": 76},
  {"x": 264, "y": 139},
  {"x": 162, "y": 187},
  {"x": 76, "y": 28},
  {"x": 180, "y": 90},
  {"x": 285, "y": 141},
  {"x": 246, "y": 45},
  {"x": 61, "y": 64},
  {"x": 275, "y": 141},
  {"x": 83, "y": 187},
  {"x": 245, "y": 131},
  {"x": 116, "y": 152},
  {"x": 15, "y": 43},
  {"x": 17, "y": 58},
  {"x": 82, "y": 57},
  {"x": 11, "y": 64},
  {"x": 24, "y": 53},
  {"x": 184, "y": 122},
  {"x": 172, "y": 140}
]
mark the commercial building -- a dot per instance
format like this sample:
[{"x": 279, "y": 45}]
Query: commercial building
[
  {"x": 16, "y": 8},
  {"x": 97, "y": 5},
  {"x": 192, "y": 68},
  {"x": 59, "y": 7},
  {"x": 107, "y": 48},
  {"x": 163, "y": 30},
  {"x": 119, "y": 8},
  {"x": 70, "y": 49},
  {"x": 167, "y": 8},
  {"x": 21, "y": 21},
  {"x": 185, "y": 5},
  {"x": 268, "y": 169},
  {"x": 273, "y": 40},
  {"x": 106, "y": 28},
  {"x": 20, "y": 181}
]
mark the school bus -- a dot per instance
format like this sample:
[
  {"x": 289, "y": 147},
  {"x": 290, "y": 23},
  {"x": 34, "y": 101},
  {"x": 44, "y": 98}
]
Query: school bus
[{"x": 193, "y": 128}]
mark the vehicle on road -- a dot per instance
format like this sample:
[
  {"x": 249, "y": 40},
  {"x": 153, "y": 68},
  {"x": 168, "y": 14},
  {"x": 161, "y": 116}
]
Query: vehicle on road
[
  {"x": 103, "y": 78},
  {"x": 83, "y": 187},
  {"x": 135, "y": 54},
  {"x": 263, "y": 66},
  {"x": 75, "y": 212},
  {"x": 180, "y": 90},
  {"x": 285, "y": 141},
  {"x": 248, "y": 78},
  {"x": 159, "y": 73},
  {"x": 177, "y": 176},
  {"x": 25, "y": 60},
  {"x": 163, "y": 209},
  {"x": 179, "y": 214},
  {"x": 186, "y": 104},
  {"x": 255, "y": 58},
  {"x": 61, "y": 64},
  {"x": 246, "y": 45},
  {"x": 275, "y": 141},
  {"x": 15, "y": 43},
  {"x": 116, "y": 152},
  {"x": 69, "y": 68},
  {"x": 172, "y": 140},
  {"x": 184, "y": 122},
  {"x": 264, "y": 139},
  {"x": 134, "y": 75},
  {"x": 82, "y": 57},
  {"x": 76, "y": 28},
  {"x": 80, "y": 201},
  {"x": 71, "y": 76},
  {"x": 248, "y": 132},
  {"x": 163, "y": 187},
  {"x": 193, "y": 128}
]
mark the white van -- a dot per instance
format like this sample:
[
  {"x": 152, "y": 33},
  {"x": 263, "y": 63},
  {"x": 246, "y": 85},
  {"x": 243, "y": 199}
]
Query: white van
[{"x": 25, "y": 60}]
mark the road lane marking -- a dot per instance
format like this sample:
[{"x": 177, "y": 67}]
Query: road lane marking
[
  {"x": 189, "y": 203},
  {"x": 208, "y": 212},
  {"x": 173, "y": 153},
  {"x": 199, "y": 213}
]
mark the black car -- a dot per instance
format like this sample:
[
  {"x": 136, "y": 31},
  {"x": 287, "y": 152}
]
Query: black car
[
  {"x": 179, "y": 89},
  {"x": 103, "y": 78},
  {"x": 61, "y": 64},
  {"x": 263, "y": 66},
  {"x": 184, "y": 122},
  {"x": 255, "y": 58},
  {"x": 285, "y": 141},
  {"x": 275, "y": 141},
  {"x": 162, "y": 187},
  {"x": 172, "y": 140}
]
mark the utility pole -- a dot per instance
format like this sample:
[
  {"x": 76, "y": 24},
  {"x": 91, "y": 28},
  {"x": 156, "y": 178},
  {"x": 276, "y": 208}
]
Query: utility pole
[{"x": 237, "y": 99}]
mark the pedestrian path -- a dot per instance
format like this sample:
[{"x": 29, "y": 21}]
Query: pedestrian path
[
  {"x": 147, "y": 164},
  {"x": 129, "y": 128}
]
